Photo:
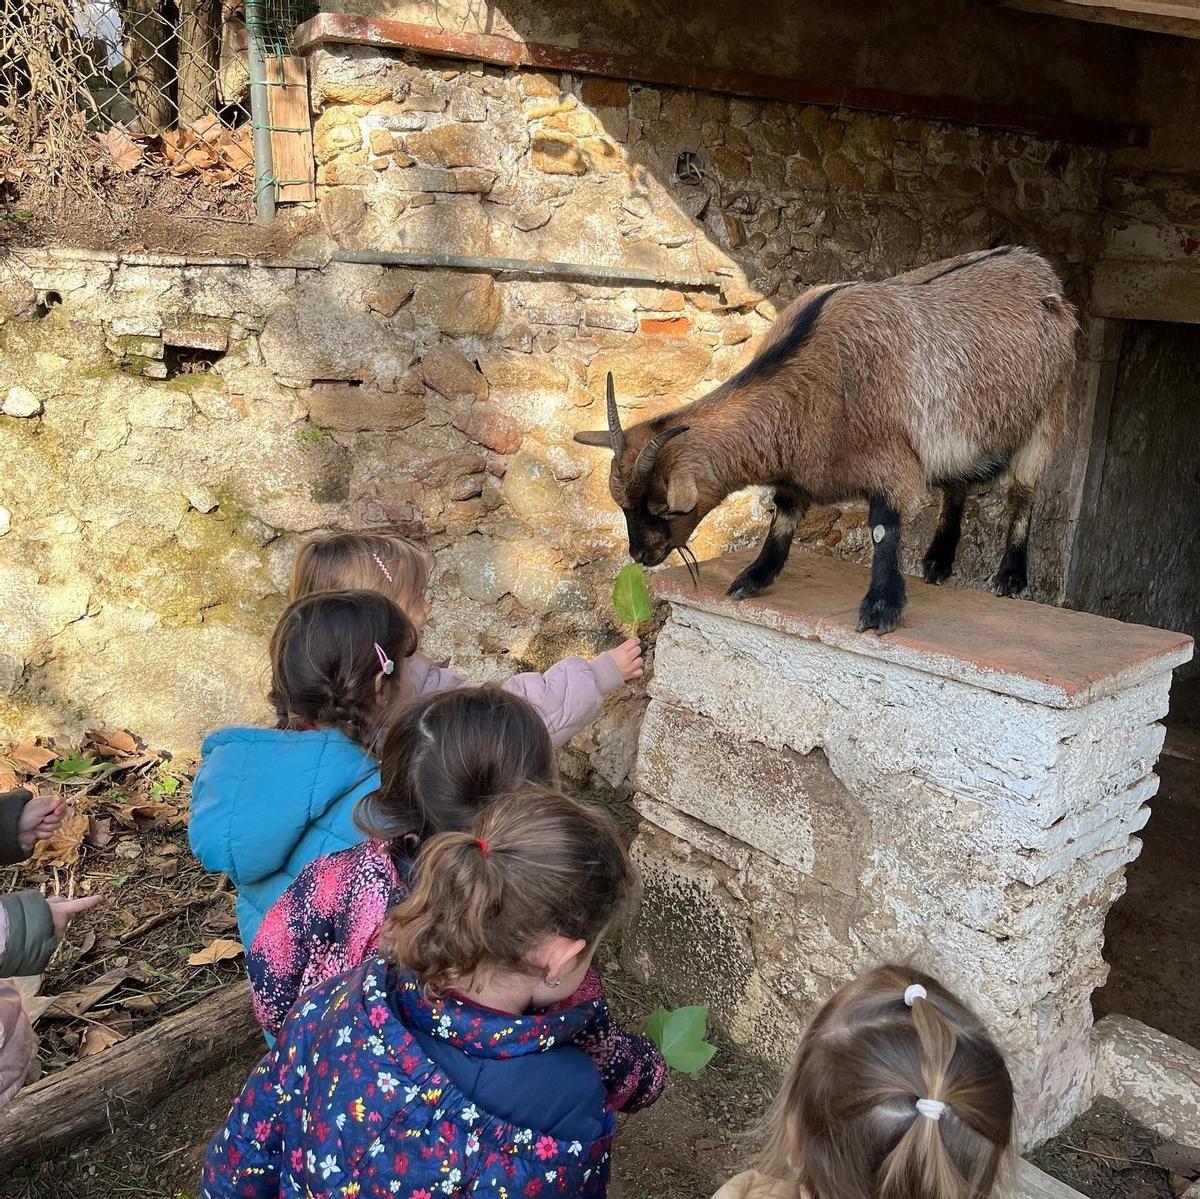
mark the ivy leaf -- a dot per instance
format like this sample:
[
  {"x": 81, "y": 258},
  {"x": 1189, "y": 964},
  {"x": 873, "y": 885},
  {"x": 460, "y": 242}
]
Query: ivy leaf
[
  {"x": 680, "y": 1036},
  {"x": 631, "y": 599}
]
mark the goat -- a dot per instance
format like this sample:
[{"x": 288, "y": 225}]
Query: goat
[{"x": 947, "y": 376}]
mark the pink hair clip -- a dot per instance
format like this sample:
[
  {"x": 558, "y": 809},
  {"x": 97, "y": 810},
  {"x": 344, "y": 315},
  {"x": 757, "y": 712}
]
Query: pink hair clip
[
  {"x": 385, "y": 663},
  {"x": 387, "y": 574}
]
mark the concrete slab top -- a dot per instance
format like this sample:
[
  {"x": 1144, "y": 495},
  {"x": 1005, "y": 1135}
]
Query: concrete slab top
[{"x": 1037, "y": 652}]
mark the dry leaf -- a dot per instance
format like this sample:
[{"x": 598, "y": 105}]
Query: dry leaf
[
  {"x": 208, "y": 126},
  {"x": 112, "y": 743},
  {"x": 72, "y": 1004},
  {"x": 65, "y": 846},
  {"x": 126, "y": 154},
  {"x": 99, "y": 831},
  {"x": 141, "y": 1003},
  {"x": 8, "y": 780},
  {"x": 100, "y": 1037},
  {"x": 141, "y": 815},
  {"x": 220, "y": 950},
  {"x": 32, "y": 756}
]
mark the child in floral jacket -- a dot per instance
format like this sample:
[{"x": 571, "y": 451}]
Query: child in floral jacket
[
  {"x": 441, "y": 761},
  {"x": 434, "y": 1070}
]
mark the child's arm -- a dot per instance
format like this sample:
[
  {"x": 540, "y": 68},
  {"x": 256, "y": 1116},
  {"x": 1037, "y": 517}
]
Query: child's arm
[
  {"x": 12, "y": 808},
  {"x": 570, "y": 694},
  {"x": 631, "y": 1066},
  {"x": 245, "y": 1158}
]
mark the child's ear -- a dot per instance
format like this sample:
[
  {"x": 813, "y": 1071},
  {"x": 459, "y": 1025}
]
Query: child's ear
[{"x": 560, "y": 955}]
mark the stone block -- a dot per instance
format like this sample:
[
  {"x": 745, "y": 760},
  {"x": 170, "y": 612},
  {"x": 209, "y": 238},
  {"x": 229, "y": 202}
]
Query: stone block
[
  {"x": 488, "y": 426},
  {"x": 466, "y": 180},
  {"x": 529, "y": 486},
  {"x": 336, "y": 132},
  {"x": 640, "y": 372},
  {"x": 452, "y": 375},
  {"x": 457, "y": 304},
  {"x": 523, "y": 374},
  {"x": 350, "y": 408},
  {"x": 20, "y": 402},
  {"x": 452, "y": 145},
  {"x": 605, "y": 93},
  {"x": 558, "y": 154}
]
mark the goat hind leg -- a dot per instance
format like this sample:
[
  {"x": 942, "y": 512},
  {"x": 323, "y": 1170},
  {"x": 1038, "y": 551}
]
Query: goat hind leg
[
  {"x": 1013, "y": 576},
  {"x": 790, "y": 507},
  {"x": 938, "y": 563},
  {"x": 884, "y": 601}
]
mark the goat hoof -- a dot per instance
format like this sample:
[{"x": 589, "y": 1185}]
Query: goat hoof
[
  {"x": 879, "y": 613},
  {"x": 1009, "y": 583},
  {"x": 745, "y": 586},
  {"x": 936, "y": 572}
]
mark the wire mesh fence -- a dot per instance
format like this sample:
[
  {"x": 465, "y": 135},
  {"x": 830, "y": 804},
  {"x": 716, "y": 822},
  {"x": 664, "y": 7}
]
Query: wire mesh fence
[{"x": 93, "y": 87}]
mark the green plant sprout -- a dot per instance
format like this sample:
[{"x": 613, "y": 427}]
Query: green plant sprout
[{"x": 680, "y": 1035}]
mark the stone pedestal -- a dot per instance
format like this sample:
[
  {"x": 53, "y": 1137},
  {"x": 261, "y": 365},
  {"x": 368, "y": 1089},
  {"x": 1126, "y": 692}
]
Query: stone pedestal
[{"x": 963, "y": 794}]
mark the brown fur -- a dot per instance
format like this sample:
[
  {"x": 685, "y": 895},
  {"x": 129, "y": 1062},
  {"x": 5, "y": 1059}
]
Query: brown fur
[{"x": 937, "y": 376}]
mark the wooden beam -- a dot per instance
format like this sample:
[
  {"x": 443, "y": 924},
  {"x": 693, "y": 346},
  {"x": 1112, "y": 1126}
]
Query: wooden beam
[
  {"x": 292, "y": 161},
  {"x": 1147, "y": 16},
  {"x": 328, "y": 29},
  {"x": 88, "y": 1097}
]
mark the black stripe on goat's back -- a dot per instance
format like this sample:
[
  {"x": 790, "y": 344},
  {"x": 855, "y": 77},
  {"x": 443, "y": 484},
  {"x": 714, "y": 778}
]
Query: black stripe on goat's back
[
  {"x": 996, "y": 253},
  {"x": 775, "y": 355}
]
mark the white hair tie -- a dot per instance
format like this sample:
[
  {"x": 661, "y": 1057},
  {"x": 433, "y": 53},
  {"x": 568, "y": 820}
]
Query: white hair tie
[
  {"x": 931, "y": 1109},
  {"x": 913, "y": 993}
]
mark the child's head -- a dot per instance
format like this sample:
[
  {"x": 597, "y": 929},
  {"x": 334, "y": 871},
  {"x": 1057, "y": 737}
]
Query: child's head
[
  {"x": 528, "y": 892},
  {"x": 338, "y": 661},
  {"x": 372, "y": 561},
  {"x": 448, "y": 753},
  {"x": 897, "y": 1092}
]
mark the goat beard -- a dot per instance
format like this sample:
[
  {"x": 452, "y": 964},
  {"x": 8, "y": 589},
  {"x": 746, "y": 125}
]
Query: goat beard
[{"x": 691, "y": 562}]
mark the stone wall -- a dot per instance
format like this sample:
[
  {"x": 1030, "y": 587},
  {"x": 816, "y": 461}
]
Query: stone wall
[
  {"x": 190, "y": 423},
  {"x": 963, "y": 795}
]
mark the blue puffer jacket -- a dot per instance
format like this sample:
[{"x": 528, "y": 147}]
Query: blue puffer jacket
[
  {"x": 265, "y": 803},
  {"x": 374, "y": 1091}
]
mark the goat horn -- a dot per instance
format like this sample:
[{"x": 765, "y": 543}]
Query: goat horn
[
  {"x": 614, "y": 421},
  {"x": 645, "y": 460}
]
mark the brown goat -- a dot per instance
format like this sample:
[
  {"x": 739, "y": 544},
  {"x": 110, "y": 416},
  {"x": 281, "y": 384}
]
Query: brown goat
[{"x": 946, "y": 376}]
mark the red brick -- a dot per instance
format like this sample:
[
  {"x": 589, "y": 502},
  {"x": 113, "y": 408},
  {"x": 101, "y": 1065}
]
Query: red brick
[{"x": 669, "y": 326}]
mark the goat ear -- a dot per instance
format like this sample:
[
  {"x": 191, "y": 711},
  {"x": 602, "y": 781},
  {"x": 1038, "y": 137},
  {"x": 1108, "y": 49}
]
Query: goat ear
[
  {"x": 598, "y": 437},
  {"x": 682, "y": 493}
]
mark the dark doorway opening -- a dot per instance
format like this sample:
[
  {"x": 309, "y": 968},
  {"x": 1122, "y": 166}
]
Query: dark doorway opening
[{"x": 1137, "y": 558}]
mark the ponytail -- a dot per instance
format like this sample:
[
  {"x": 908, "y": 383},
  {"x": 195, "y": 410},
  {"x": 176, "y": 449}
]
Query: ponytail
[
  {"x": 897, "y": 1092},
  {"x": 535, "y": 864}
]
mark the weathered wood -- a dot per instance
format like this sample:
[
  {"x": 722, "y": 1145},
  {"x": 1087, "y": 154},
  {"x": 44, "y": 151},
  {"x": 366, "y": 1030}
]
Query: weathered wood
[
  {"x": 291, "y": 135},
  {"x": 96, "y": 1093}
]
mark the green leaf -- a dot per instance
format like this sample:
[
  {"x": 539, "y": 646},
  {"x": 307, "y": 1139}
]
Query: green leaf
[
  {"x": 680, "y": 1036},
  {"x": 631, "y": 599},
  {"x": 75, "y": 765}
]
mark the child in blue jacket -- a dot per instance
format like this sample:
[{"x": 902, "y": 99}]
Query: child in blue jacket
[
  {"x": 266, "y": 802},
  {"x": 433, "y": 1070}
]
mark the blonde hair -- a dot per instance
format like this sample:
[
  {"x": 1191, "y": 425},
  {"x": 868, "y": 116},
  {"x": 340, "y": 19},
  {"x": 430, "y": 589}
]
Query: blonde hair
[
  {"x": 533, "y": 864},
  {"x": 371, "y": 561},
  {"x": 846, "y": 1124}
]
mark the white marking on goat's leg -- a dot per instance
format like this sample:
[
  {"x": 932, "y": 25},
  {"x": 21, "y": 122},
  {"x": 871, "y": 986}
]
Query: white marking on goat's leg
[
  {"x": 1013, "y": 576},
  {"x": 883, "y": 603},
  {"x": 790, "y": 506},
  {"x": 938, "y": 563}
]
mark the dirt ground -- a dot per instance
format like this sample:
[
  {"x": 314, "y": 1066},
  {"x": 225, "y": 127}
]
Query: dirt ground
[
  {"x": 1153, "y": 931},
  {"x": 1106, "y": 1154}
]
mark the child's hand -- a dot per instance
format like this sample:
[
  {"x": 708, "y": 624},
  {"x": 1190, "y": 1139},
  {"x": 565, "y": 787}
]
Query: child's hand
[
  {"x": 628, "y": 658},
  {"x": 40, "y": 817},
  {"x": 62, "y": 910}
]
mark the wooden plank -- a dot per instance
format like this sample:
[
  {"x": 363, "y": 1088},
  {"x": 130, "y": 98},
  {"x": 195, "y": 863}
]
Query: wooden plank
[
  {"x": 292, "y": 159},
  {"x": 1026, "y": 1181},
  {"x": 1174, "y": 20},
  {"x": 344, "y": 29},
  {"x": 86, "y": 1098}
]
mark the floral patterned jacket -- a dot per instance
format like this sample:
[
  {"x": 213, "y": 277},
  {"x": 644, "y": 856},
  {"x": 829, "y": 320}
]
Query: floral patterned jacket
[
  {"x": 349, "y": 1105},
  {"x": 328, "y": 921}
]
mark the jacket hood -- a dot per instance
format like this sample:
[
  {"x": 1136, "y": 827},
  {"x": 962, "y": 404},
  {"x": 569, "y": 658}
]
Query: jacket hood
[{"x": 259, "y": 792}]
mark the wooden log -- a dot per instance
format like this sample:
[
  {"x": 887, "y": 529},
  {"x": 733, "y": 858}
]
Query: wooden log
[{"x": 95, "y": 1094}]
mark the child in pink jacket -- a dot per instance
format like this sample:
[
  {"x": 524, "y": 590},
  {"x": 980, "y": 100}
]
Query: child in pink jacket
[
  {"x": 444, "y": 759},
  {"x": 568, "y": 696},
  {"x": 30, "y": 928}
]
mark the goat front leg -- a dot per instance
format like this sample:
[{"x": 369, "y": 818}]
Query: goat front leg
[
  {"x": 790, "y": 507},
  {"x": 938, "y": 563},
  {"x": 885, "y": 599}
]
